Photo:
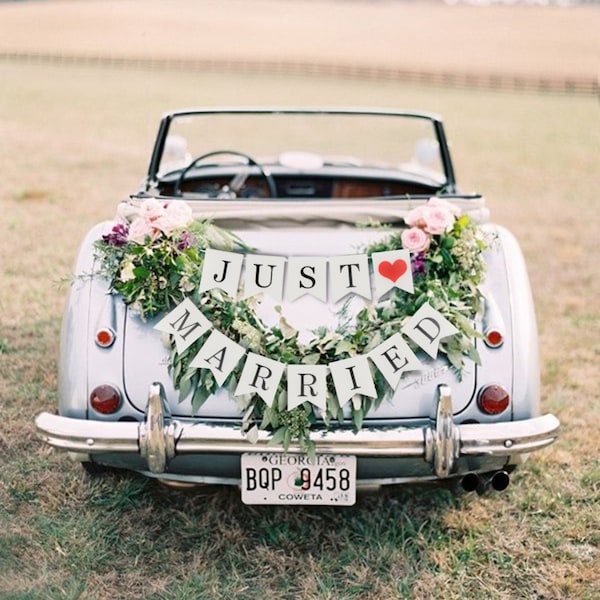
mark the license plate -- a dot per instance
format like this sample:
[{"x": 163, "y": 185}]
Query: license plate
[{"x": 296, "y": 479}]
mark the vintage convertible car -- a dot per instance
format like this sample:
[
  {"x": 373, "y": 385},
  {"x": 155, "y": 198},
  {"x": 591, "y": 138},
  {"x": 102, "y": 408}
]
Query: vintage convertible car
[{"x": 300, "y": 302}]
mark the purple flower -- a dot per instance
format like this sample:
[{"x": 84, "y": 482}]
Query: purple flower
[
  {"x": 117, "y": 236},
  {"x": 186, "y": 240},
  {"x": 418, "y": 264}
]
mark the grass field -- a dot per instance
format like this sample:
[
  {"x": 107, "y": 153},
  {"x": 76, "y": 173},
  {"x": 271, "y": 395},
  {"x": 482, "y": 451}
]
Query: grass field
[{"x": 73, "y": 142}]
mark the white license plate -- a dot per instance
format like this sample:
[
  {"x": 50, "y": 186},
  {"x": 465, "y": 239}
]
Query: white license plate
[{"x": 295, "y": 479}]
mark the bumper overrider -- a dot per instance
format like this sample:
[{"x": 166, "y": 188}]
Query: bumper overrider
[{"x": 158, "y": 439}]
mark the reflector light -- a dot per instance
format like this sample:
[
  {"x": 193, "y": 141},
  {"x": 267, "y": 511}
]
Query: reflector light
[
  {"x": 493, "y": 399},
  {"x": 493, "y": 338},
  {"x": 105, "y": 399},
  {"x": 105, "y": 337}
]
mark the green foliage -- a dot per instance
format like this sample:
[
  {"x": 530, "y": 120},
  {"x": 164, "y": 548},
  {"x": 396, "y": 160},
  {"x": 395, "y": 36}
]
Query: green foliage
[{"x": 156, "y": 275}]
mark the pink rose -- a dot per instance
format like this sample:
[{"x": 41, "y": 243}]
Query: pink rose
[
  {"x": 176, "y": 215},
  {"x": 151, "y": 209},
  {"x": 140, "y": 229},
  {"x": 437, "y": 219},
  {"x": 415, "y": 240},
  {"x": 415, "y": 217},
  {"x": 441, "y": 203}
]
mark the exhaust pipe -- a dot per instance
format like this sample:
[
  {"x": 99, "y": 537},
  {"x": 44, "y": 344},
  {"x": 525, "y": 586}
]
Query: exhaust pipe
[
  {"x": 500, "y": 480},
  {"x": 470, "y": 482},
  {"x": 481, "y": 483},
  {"x": 497, "y": 481}
]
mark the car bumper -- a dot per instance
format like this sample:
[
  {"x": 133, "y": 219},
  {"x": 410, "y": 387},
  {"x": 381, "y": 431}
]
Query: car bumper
[{"x": 442, "y": 445}]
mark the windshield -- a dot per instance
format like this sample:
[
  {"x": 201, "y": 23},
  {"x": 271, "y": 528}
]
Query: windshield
[{"x": 307, "y": 141}]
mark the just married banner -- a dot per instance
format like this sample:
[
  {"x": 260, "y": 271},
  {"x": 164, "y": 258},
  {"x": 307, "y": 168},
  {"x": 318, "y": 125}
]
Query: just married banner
[
  {"x": 261, "y": 375},
  {"x": 326, "y": 278}
]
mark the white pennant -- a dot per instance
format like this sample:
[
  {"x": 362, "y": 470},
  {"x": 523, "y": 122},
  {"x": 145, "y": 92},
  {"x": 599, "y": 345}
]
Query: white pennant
[
  {"x": 392, "y": 269},
  {"x": 306, "y": 275},
  {"x": 427, "y": 327},
  {"x": 186, "y": 323},
  {"x": 221, "y": 270},
  {"x": 352, "y": 376},
  {"x": 264, "y": 274},
  {"x": 261, "y": 376},
  {"x": 220, "y": 354},
  {"x": 307, "y": 383},
  {"x": 349, "y": 275},
  {"x": 393, "y": 357}
]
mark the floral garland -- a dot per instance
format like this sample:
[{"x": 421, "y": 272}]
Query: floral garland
[{"x": 156, "y": 262}]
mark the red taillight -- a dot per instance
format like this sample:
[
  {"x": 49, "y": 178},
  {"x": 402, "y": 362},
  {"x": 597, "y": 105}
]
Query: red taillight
[
  {"x": 493, "y": 338},
  {"x": 493, "y": 399},
  {"x": 105, "y": 399},
  {"x": 105, "y": 337}
]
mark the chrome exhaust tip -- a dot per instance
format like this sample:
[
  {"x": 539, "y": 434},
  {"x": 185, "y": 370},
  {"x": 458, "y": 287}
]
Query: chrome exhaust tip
[
  {"x": 500, "y": 480},
  {"x": 470, "y": 482}
]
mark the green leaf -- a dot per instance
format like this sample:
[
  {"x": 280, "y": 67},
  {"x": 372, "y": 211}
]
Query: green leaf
[
  {"x": 312, "y": 359},
  {"x": 278, "y": 437},
  {"x": 198, "y": 399},
  {"x": 184, "y": 389},
  {"x": 358, "y": 418},
  {"x": 141, "y": 272},
  {"x": 287, "y": 438},
  {"x": 345, "y": 347}
]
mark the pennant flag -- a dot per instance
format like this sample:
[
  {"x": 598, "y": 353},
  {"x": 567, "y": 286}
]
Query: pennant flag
[
  {"x": 261, "y": 376},
  {"x": 306, "y": 275},
  {"x": 220, "y": 354},
  {"x": 350, "y": 275},
  {"x": 307, "y": 383},
  {"x": 221, "y": 270},
  {"x": 186, "y": 322},
  {"x": 392, "y": 269},
  {"x": 264, "y": 274},
  {"x": 352, "y": 376},
  {"x": 393, "y": 357},
  {"x": 427, "y": 327}
]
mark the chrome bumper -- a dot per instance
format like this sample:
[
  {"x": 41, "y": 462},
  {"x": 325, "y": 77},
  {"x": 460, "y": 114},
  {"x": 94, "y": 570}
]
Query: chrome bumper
[{"x": 158, "y": 439}]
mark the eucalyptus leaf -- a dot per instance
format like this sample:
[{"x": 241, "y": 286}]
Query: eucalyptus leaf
[
  {"x": 358, "y": 418},
  {"x": 277, "y": 437}
]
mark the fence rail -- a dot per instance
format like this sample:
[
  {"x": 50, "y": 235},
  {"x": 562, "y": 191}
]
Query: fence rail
[{"x": 586, "y": 86}]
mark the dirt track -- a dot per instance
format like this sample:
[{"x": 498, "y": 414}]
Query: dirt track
[{"x": 554, "y": 41}]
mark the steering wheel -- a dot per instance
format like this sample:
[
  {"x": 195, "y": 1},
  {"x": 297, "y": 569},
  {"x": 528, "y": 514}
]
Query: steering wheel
[{"x": 237, "y": 182}]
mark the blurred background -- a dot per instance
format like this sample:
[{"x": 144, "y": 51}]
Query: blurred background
[{"x": 83, "y": 84}]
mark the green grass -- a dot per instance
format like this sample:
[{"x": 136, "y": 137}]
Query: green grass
[{"x": 74, "y": 142}]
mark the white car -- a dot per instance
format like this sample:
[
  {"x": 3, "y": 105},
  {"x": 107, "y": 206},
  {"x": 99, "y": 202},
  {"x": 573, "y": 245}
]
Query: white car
[{"x": 300, "y": 302}]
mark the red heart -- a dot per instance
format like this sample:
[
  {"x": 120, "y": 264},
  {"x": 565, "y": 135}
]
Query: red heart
[{"x": 393, "y": 271}]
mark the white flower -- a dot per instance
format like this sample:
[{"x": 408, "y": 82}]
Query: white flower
[
  {"x": 186, "y": 285},
  {"x": 165, "y": 340},
  {"x": 127, "y": 273}
]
